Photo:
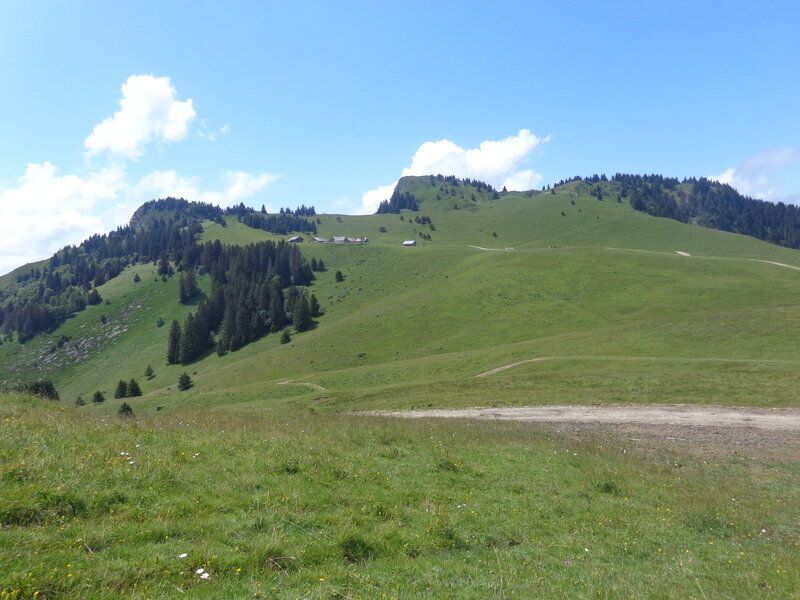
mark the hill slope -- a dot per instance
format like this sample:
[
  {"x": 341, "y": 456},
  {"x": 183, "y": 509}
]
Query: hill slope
[{"x": 627, "y": 307}]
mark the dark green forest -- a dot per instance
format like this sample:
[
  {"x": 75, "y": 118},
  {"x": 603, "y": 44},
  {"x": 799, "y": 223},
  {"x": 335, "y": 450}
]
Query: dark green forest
[{"x": 704, "y": 202}]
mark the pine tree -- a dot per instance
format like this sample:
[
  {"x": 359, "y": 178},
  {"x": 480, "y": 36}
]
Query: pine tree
[
  {"x": 301, "y": 314},
  {"x": 125, "y": 410},
  {"x": 188, "y": 349},
  {"x": 94, "y": 298},
  {"x": 136, "y": 278},
  {"x": 174, "y": 344},
  {"x": 148, "y": 372},
  {"x": 98, "y": 397},
  {"x": 276, "y": 315},
  {"x": 134, "y": 389},
  {"x": 184, "y": 382},
  {"x": 338, "y": 277},
  {"x": 314, "y": 306},
  {"x": 187, "y": 287},
  {"x": 122, "y": 390}
]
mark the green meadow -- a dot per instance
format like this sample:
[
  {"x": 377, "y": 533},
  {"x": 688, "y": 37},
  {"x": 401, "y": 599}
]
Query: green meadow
[
  {"x": 305, "y": 504},
  {"x": 266, "y": 480}
]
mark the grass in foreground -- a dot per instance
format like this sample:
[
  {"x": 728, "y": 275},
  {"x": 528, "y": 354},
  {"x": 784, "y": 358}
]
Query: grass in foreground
[{"x": 291, "y": 504}]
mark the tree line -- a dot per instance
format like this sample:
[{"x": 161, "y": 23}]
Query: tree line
[
  {"x": 280, "y": 224},
  {"x": 705, "y": 202}
]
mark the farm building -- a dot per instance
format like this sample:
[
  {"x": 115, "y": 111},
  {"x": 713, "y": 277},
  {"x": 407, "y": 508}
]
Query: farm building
[
  {"x": 296, "y": 239},
  {"x": 410, "y": 243}
]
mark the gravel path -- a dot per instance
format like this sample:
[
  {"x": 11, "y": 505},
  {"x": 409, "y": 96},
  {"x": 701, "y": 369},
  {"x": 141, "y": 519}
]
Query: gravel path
[{"x": 776, "y": 419}]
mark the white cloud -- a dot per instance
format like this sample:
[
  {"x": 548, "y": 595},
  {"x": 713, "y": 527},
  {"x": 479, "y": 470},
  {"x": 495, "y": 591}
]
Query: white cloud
[
  {"x": 494, "y": 162},
  {"x": 759, "y": 175},
  {"x": 147, "y": 111},
  {"x": 48, "y": 211},
  {"x": 371, "y": 199},
  {"x": 237, "y": 187}
]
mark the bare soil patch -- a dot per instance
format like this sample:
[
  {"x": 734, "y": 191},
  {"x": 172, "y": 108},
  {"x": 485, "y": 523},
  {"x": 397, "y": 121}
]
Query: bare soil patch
[{"x": 708, "y": 429}]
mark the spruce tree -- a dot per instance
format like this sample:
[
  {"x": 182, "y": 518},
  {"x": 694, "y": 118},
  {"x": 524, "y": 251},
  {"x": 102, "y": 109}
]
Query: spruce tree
[
  {"x": 94, "y": 298},
  {"x": 125, "y": 410},
  {"x": 301, "y": 314},
  {"x": 98, "y": 397},
  {"x": 148, "y": 372},
  {"x": 187, "y": 287},
  {"x": 276, "y": 316},
  {"x": 134, "y": 389},
  {"x": 122, "y": 390},
  {"x": 184, "y": 382},
  {"x": 314, "y": 306},
  {"x": 188, "y": 347},
  {"x": 174, "y": 344},
  {"x": 285, "y": 337}
]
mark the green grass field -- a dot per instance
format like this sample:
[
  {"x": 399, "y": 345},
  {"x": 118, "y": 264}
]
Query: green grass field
[
  {"x": 265, "y": 477},
  {"x": 309, "y": 504}
]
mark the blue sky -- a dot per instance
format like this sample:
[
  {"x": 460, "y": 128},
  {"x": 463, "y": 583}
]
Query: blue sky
[{"x": 105, "y": 105}]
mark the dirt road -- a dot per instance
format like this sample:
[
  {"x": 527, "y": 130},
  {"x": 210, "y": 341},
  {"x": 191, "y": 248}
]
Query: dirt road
[{"x": 777, "y": 419}]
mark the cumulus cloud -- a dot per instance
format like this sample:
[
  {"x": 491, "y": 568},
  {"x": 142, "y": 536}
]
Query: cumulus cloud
[
  {"x": 759, "y": 175},
  {"x": 47, "y": 211},
  {"x": 371, "y": 199},
  {"x": 237, "y": 187},
  {"x": 148, "y": 111},
  {"x": 495, "y": 162}
]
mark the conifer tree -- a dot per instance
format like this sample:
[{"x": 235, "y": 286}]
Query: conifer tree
[
  {"x": 187, "y": 287},
  {"x": 174, "y": 344},
  {"x": 314, "y": 306},
  {"x": 184, "y": 382},
  {"x": 94, "y": 298},
  {"x": 188, "y": 350},
  {"x": 148, "y": 372},
  {"x": 98, "y": 397},
  {"x": 134, "y": 389},
  {"x": 122, "y": 390},
  {"x": 125, "y": 410},
  {"x": 301, "y": 314},
  {"x": 276, "y": 316}
]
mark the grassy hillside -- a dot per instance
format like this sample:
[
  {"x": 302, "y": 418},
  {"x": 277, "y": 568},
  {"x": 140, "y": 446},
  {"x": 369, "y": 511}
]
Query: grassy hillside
[{"x": 606, "y": 294}]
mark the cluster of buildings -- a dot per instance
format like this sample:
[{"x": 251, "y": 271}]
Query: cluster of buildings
[
  {"x": 297, "y": 239},
  {"x": 334, "y": 240}
]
